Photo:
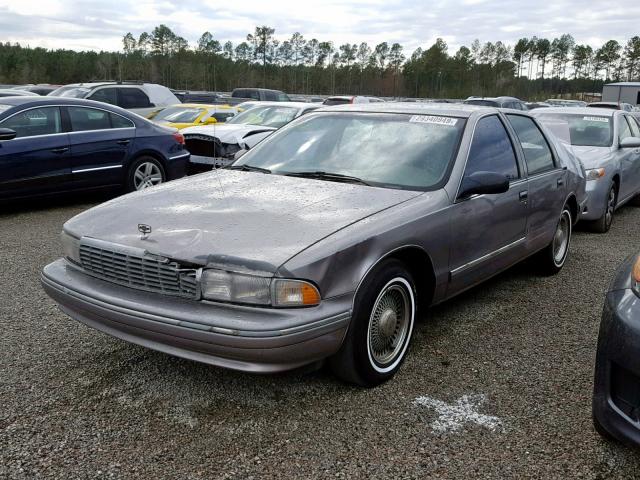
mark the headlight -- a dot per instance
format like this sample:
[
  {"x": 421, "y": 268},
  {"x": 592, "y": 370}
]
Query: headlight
[
  {"x": 594, "y": 173},
  {"x": 70, "y": 247},
  {"x": 250, "y": 289}
]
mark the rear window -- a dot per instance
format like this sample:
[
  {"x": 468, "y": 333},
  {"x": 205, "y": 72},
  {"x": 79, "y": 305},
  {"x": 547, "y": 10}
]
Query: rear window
[
  {"x": 585, "y": 130},
  {"x": 337, "y": 101},
  {"x": 482, "y": 103}
]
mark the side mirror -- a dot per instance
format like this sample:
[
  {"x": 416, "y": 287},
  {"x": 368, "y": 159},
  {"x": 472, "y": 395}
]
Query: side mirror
[
  {"x": 239, "y": 153},
  {"x": 7, "y": 134},
  {"x": 483, "y": 183},
  {"x": 630, "y": 142},
  {"x": 209, "y": 121}
]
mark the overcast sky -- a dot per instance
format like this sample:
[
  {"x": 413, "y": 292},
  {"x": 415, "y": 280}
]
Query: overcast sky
[{"x": 100, "y": 24}]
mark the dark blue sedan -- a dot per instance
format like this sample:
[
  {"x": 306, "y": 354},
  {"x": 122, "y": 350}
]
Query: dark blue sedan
[{"x": 51, "y": 145}]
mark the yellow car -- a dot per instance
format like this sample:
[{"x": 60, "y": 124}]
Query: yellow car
[{"x": 192, "y": 115}]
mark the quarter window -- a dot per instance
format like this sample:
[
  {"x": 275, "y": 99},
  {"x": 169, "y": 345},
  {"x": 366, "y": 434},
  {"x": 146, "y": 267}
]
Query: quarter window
[
  {"x": 537, "y": 153},
  {"x": 105, "y": 95},
  {"x": 118, "y": 121},
  {"x": 133, "y": 98},
  {"x": 491, "y": 150},
  {"x": 36, "y": 121}
]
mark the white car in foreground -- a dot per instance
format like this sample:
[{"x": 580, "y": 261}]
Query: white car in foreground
[{"x": 214, "y": 146}]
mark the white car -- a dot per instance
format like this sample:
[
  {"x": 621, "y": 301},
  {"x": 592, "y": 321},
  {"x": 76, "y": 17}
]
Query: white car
[
  {"x": 141, "y": 98},
  {"x": 216, "y": 145}
]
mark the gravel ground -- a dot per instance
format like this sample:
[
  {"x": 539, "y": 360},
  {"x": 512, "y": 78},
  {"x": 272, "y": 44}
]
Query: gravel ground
[{"x": 504, "y": 373}]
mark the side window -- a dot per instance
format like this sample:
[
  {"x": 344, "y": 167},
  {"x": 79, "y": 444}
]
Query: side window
[
  {"x": 270, "y": 96},
  {"x": 635, "y": 129},
  {"x": 133, "y": 98},
  {"x": 491, "y": 149},
  {"x": 105, "y": 95},
  {"x": 36, "y": 121},
  {"x": 624, "y": 131},
  {"x": 537, "y": 153},
  {"x": 84, "y": 119},
  {"x": 120, "y": 122}
]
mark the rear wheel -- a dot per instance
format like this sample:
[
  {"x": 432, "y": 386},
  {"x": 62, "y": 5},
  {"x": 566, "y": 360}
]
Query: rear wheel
[
  {"x": 381, "y": 327},
  {"x": 555, "y": 254},
  {"x": 603, "y": 224},
  {"x": 144, "y": 173}
]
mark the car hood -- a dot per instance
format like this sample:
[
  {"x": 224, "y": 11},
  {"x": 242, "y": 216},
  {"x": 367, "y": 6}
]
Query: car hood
[
  {"x": 246, "y": 221},
  {"x": 592, "y": 157},
  {"x": 227, "y": 133}
]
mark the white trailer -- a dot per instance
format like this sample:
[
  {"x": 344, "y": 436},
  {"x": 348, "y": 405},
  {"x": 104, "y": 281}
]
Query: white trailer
[{"x": 622, "y": 92}]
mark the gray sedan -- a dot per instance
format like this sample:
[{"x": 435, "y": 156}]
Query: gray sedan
[
  {"x": 324, "y": 241},
  {"x": 607, "y": 142}
]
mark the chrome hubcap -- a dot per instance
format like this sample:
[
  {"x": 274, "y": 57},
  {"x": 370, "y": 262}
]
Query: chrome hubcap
[
  {"x": 389, "y": 324},
  {"x": 561, "y": 238},
  {"x": 147, "y": 175},
  {"x": 611, "y": 205}
]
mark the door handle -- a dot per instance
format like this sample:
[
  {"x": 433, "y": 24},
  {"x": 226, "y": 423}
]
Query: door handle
[
  {"x": 523, "y": 196},
  {"x": 560, "y": 182},
  {"x": 123, "y": 142},
  {"x": 60, "y": 150}
]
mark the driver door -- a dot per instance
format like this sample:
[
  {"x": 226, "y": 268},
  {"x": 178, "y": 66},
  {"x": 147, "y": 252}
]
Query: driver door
[{"x": 488, "y": 231}]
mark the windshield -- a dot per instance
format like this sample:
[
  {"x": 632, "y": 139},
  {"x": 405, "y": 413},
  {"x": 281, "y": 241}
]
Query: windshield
[
  {"x": 585, "y": 130},
  {"x": 179, "y": 114},
  {"x": 266, "y": 116},
  {"x": 390, "y": 150},
  {"x": 72, "y": 92}
]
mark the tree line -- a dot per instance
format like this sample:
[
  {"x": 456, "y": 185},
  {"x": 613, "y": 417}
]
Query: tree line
[{"x": 531, "y": 68}]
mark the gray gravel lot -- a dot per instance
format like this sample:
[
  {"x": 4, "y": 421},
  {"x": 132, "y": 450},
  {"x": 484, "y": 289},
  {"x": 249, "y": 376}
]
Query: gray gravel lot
[{"x": 79, "y": 404}]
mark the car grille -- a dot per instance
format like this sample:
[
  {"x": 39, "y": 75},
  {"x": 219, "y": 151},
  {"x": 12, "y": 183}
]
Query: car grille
[{"x": 137, "y": 269}]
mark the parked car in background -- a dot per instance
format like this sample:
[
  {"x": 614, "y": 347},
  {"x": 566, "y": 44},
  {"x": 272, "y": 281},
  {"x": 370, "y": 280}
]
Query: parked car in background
[
  {"x": 607, "y": 142},
  {"x": 497, "y": 102},
  {"x": 50, "y": 145},
  {"x": 139, "y": 97},
  {"x": 216, "y": 145},
  {"x": 616, "y": 392},
  {"x": 41, "y": 89},
  {"x": 192, "y": 114},
  {"x": 627, "y": 107},
  {"x": 324, "y": 240},
  {"x": 260, "y": 94},
  {"x": 9, "y": 92},
  {"x": 350, "y": 99},
  {"x": 533, "y": 105},
  {"x": 561, "y": 102}
]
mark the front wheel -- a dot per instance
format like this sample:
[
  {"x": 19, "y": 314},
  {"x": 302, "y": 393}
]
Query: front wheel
[
  {"x": 603, "y": 224},
  {"x": 553, "y": 257},
  {"x": 144, "y": 173},
  {"x": 381, "y": 327}
]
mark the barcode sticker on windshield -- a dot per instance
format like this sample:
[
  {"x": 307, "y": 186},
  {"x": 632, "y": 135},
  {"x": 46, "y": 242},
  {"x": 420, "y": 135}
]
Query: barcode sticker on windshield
[
  {"x": 434, "y": 119},
  {"x": 596, "y": 119}
]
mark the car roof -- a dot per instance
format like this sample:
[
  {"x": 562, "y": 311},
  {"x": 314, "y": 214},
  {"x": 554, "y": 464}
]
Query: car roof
[
  {"x": 445, "y": 109},
  {"x": 38, "y": 100},
  {"x": 602, "y": 112}
]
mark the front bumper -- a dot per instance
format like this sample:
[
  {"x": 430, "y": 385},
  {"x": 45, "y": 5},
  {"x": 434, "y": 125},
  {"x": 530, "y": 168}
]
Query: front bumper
[
  {"x": 262, "y": 340},
  {"x": 616, "y": 398}
]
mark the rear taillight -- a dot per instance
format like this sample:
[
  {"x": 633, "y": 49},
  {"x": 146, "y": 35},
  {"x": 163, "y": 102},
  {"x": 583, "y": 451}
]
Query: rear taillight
[{"x": 179, "y": 138}]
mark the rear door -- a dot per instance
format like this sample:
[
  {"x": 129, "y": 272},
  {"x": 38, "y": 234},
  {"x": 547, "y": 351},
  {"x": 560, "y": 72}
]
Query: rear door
[
  {"x": 634, "y": 155},
  {"x": 488, "y": 231},
  {"x": 100, "y": 142},
  {"x": 37, "y": 161},
  {"x": 547, "y": 181}
]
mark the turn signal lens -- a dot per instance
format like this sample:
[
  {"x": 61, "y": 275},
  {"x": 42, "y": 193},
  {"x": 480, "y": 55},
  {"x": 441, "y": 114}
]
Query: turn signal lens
[
  {"x": 635, "y": 273},
  {"x": 291, "y": 293},
  {"x": 595, "y": 173}
]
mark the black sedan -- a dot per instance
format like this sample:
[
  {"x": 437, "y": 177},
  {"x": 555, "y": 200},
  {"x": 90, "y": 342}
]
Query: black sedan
[
  {"x": 51, "y": 145},
  {"x": 616, "y": 397}
]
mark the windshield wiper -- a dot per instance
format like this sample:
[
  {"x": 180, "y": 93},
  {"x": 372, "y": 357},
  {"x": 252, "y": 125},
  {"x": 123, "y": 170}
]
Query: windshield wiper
[
  {"x": 337, "y": 177},
  {"x": 249, "y": 168}
]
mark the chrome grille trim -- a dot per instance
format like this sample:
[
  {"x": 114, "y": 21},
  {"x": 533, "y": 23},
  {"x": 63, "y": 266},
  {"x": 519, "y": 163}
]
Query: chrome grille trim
[{"x": 136, "y": 268}]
